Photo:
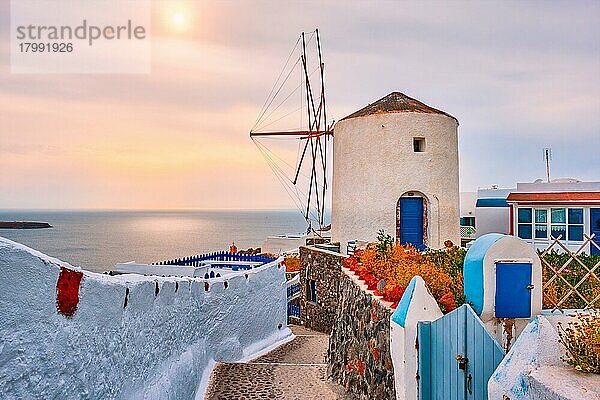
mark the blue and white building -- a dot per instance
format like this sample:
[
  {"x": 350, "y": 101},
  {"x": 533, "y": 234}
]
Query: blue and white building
[
  {"x": 492, "y": 212},
  {"x": 565, "y": 208}
]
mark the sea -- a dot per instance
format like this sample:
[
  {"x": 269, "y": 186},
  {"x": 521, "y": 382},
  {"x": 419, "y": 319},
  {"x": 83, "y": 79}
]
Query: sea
[{"x": 97, "y": 240}]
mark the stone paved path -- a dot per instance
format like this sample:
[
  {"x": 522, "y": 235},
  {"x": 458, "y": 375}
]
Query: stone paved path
[{"x": 293, "y": 371}]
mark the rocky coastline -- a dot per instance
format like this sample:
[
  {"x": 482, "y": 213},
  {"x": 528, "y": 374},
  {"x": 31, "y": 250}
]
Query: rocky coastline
[{"x": 24, "y": 225}]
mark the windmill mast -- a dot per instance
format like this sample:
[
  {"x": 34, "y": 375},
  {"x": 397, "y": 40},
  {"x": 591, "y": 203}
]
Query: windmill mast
[{"x": 314, "y": 138}]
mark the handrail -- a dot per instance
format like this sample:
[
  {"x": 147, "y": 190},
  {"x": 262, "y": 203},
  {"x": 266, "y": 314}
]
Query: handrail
[{"x": 196, "y": 260}]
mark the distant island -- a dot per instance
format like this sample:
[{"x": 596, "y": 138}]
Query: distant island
[{"x": 23, "y": 225}]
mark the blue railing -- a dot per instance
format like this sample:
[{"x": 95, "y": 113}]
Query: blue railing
[
  {"x": 293, "y": 310},
  {"x": 195, "y": 261},
  {"x": 293, "y": 289}
]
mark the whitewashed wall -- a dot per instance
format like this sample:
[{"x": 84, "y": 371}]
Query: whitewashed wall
[
  {"x": 282, "y": 244},
  {"x": 417, "y": 304},
  {"x": 492, "y": 220},
  {"x": 160, "y": 346},
  {"x": 533, "y": 368}
]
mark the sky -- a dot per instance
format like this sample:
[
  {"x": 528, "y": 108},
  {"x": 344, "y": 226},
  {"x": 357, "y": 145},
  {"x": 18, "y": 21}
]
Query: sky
[{"x": 519, "y": 76}]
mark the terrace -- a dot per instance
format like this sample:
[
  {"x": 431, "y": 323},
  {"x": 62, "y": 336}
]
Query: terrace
[{"x": 207, "y": 266}]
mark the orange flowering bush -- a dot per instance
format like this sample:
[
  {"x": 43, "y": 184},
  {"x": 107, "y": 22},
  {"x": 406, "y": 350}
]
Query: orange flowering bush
[
  {"x": 292, "y": 263},
  {"x": 451, "y": 260},
  {"x": 396, "y": 265}
]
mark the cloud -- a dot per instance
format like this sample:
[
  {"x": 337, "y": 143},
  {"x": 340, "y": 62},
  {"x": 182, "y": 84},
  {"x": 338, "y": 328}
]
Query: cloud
[{"x": 518, "y": 78}]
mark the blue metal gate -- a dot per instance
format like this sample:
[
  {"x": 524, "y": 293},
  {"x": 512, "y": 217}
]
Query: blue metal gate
[
  {"x": 411, "y": 221},
  {"x": 457, "y": 357},
  {"x": 595, "y": 229}
]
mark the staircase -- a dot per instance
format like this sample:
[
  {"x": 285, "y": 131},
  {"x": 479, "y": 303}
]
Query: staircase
[{"x": 295, "y": 370}]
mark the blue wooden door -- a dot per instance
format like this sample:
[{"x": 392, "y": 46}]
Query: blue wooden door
[
  {"x": 411, "y": 221},
  {"x": 595, "y": 229},
  {"x": 457, "y": 357},
  {"x": 513, "y": 290}
]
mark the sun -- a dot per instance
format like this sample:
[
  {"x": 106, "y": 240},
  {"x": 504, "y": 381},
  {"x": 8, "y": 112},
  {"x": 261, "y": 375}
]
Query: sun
[{"x": 179, "y": 19}]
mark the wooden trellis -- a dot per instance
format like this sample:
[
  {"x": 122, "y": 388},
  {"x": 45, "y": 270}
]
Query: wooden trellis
[{"x": 558, "y": 274}]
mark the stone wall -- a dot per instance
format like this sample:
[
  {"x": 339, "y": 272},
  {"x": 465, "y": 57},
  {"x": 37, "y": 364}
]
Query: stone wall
[
  {"x": 324, "y": 268},
  {"x": 358, "y": 323},
  {"x": 359, "y": 345}
]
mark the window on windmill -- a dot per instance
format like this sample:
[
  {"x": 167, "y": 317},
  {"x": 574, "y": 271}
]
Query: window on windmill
[
  {"x": 419, "y": 144},
  {"x": 311, "y": 291}
]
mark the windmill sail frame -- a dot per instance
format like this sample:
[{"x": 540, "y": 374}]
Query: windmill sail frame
[{"x": 315, "y": 138}]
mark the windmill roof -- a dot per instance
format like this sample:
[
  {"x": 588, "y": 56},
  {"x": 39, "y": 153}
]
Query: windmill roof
[{"x": 396, "y": 102}]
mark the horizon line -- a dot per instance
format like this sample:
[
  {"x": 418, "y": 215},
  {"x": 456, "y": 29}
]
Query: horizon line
[{"x": 148, "y": 209}]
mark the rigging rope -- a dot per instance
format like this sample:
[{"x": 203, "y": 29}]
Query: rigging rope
[
  {"x": 284, "y": 178},
  {"x": 255, "y": 128},
  {"x": 276, "y": 93},
  {"x": 292, "y": 191},
  {"x": 273, "y": 155},
  {"x": 278, "y": 77}
]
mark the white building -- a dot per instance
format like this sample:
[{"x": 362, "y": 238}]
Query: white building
[
  {"x": 564, "y": 208},
  {"x": 492, "y": 212},
  {"x": 396, "y": 168}
]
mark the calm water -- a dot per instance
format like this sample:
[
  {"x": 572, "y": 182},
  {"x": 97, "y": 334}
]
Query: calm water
[{"x": 97, "y": 240}]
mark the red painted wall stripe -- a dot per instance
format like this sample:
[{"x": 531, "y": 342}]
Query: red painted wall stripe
[{"x": 67, "y": 291}]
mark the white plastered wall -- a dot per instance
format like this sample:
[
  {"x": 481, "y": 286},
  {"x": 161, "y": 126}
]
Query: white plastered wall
[
  {"x": 492, "y": 220},
  {"x": 160, "y": 346},
  {"x": 533, "y": 368},
  {"x": 422, "y": 307}
]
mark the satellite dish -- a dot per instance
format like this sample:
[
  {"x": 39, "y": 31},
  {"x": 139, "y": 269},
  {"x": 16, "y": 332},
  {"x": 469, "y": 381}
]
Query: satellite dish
[{"x": 566, "y": 180}]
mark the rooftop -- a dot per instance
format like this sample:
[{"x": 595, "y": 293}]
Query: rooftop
[
  {"x": 558, "y": 198},
  {"x": 558, "y": 186},
  {"x": 396, "y": 102}
]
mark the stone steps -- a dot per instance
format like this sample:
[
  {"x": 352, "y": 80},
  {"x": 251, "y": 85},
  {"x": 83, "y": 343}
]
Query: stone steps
[{"x": 295, "y": 370}]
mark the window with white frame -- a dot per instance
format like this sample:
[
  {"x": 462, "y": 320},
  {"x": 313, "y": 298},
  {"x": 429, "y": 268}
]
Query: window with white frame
[
  {"x": 558, "y": 223},
  {"x": 543, "y": 223},
  {"x": 524, "y": 219},
  {"x": 576, "y": 224}
]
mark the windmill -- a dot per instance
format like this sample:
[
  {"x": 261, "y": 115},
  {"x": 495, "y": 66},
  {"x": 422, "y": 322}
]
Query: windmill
[{"x": 305, "y": 180}]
